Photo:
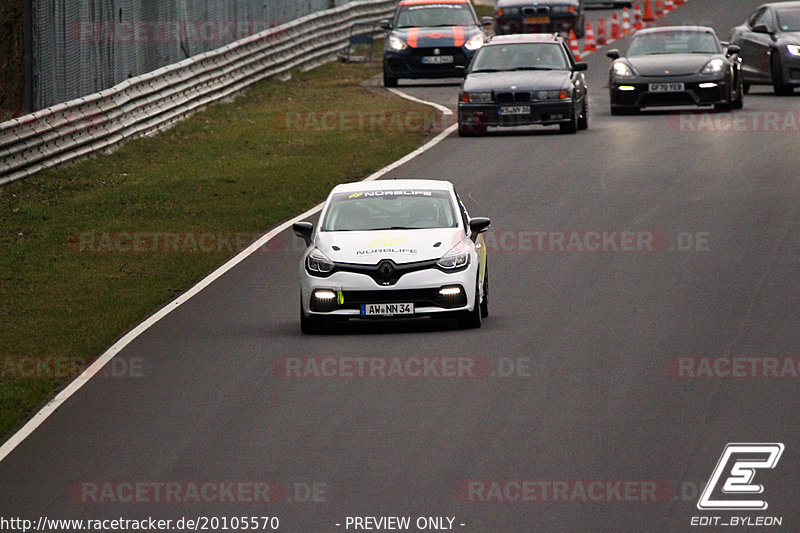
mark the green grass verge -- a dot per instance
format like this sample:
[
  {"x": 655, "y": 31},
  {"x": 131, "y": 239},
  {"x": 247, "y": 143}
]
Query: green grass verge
[{"x": 238, "y": 167}]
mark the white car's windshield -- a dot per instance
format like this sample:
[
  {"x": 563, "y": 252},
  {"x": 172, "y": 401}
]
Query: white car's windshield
[
  {"x": 377, "y": 210},
  {"x": 428, "y": 15},
  {"x": 674, "y": 42},
  {"x": 521, "y": 56}
]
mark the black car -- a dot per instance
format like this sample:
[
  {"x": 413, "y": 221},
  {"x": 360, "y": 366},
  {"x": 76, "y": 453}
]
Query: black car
[
  {"x": 608, "y": 3},
  {"x": 539, "y": 16},
  {"x": 431, "y": 39},
  {"x": 770, "y": 43},
  {"x": 675, "y": 66},
  {"x": 519, "y": 80}
]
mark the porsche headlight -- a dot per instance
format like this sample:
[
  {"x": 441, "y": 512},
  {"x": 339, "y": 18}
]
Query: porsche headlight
[
  {"x": 318, "y": 262},
  {"x": 793, "y": 49},
  {"x": 475, "y": 42},
  {"x": 395, "y": 43},
  {"x": 457, "y": 257},
  {"x": 621, "y": 70},
  {"x": 714, "y": 66}
]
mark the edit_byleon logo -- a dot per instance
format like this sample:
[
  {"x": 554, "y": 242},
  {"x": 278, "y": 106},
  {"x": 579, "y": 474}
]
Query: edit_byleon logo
[{"x": 731, "y": 484}]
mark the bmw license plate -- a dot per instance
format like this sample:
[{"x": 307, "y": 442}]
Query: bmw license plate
[
  {"x": 437, "y": 60},
  {"x": 665, "y": 87},
  {"x": 515, "y": 110},
  {"x": 386, "y": 309},
  {"x": 537, "y": 20}
]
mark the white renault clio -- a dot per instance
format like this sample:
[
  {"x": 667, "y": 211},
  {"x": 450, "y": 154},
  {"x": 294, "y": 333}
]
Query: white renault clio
[{"x": 393, "y": 249}]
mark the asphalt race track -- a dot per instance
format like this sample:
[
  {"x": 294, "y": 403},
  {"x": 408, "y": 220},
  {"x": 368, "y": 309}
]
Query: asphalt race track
[{"x": 580, "y": 408}]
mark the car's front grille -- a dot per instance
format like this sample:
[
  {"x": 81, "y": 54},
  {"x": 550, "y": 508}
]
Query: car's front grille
[
  {"x": 530, "y": 11},
  {"x": 522, "y": 97}
]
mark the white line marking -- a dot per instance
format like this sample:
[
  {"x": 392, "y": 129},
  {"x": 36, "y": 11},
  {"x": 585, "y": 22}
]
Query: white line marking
[
  {"x": 118, "y": 346},
  {"x": 401, "y": 94}
]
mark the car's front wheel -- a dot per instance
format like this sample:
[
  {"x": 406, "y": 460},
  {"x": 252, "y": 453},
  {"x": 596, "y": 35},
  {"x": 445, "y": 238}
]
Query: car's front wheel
[
  {"x": 309, "y": 324},
  {"x": 738, "y": 103},
  {"x": 472, "y": 319},
  {"x": 776, "y": 70},
  {"x": 389, "y": 81},
  {"x": 572, "y": 125},
  {"x": 485, "y": 301},
  {"x": 583, "y": 120}
]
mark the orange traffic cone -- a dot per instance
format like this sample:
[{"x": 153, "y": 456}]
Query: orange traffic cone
[
  {"x": 669, "y": 6},
  {"x": 589, "y": 45},
  {"x": 616, "y": 32},
  {"x": 573, "y": 45},
  {"x": 602, "y": 38},
  {"x": 626, "y": 21},
  {"x": 659, "y": 9},
  {"x": 637, "y": 17},
  {"x": 648, "y": 11}
]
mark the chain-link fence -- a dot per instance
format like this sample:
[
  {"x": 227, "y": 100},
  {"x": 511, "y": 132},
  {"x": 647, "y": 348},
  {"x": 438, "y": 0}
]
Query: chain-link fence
[{"x": 85, "y": 46}]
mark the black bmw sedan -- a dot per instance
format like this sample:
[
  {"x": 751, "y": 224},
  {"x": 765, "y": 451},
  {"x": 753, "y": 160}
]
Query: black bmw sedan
[
  {"x": 675, "y": 66},
  {"x": 770, "y": 43},
  {"x": 520, "y": 80}
]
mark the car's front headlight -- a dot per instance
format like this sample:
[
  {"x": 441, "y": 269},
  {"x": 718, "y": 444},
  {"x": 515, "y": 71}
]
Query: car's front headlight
[
  {"x": 477, "y": 98},
  {"x": 475, "y": 42},
  {"x": 714, "y": 66},
  {"x": 507, "y": 11},
  {"x": 318, "y": 262},
  {"x": 457, "y": 257},
  {"x": 564, "y": 9},
  {"x": 396, "y": 43},
  {"x": 621, "y": 70},
  {"x": 793, "y": 49},
  {"x": 552, "y": 95}
]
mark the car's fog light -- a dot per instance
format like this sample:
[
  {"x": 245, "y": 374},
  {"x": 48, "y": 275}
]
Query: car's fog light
[
  {"x": 452, "y": 296},
  {"x": 323, "y": 300}
]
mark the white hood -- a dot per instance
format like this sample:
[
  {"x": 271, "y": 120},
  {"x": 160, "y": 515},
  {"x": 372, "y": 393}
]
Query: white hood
[{"x": 401, "y": 246}]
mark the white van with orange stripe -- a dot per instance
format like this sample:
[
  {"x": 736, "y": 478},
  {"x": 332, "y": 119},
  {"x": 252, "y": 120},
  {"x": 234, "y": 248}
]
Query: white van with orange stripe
[{"x": 431, "y": 39}]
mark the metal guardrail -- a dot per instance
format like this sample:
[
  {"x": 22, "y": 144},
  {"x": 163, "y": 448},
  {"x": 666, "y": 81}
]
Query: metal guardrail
[{"x": 158, "y": 99}]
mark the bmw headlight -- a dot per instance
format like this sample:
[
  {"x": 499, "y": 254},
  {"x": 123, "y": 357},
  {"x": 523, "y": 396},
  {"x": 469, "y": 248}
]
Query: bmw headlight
[
  {"x": 475, "y": 42},
  {"x": 319, "y": 263},
  {"x": 395, "y": 43},
  {"x": 552, "y": 95},
  {"x": 714, "y": 66},
  {"x": 793, "y": 49},
  {"x": 621, "y": 70},
  {"x": 457, "y": 257},
  {"x": 477, "y": 98}
]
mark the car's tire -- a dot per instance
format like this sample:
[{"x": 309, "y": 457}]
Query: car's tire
[
  {"x": 389, "y": 81},
  {"x": 776, "y": 73},
  {"x": 745, "y": 87},
  {"x": 485, "y": 301},
  {"x": 738, "y": 103},
  {"x": 583, "y": 120},
  {"x": 725, "y": 106},
  {"x": 472, "y": 319},
  {"x": 309, "y": 325},
  {"x": 572, "y": 125}
]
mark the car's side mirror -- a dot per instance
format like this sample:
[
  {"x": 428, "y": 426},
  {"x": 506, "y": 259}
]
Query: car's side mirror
[
  {"x": 733, "y": 49},
  {"x": 761, "y": 28},
  {"x": 613, "y": 53},
  {"x": 385, "y": 24},
  {"x": 478, "y": 225},
  {"x": 304, "y": 231},
  {"x": 581, "y": 65},
  {"x": 487, "y": 21}
]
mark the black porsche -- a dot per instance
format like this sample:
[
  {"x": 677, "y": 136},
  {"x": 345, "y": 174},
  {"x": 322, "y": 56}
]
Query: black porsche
[
  {"x": 675, "y": 66},
  {"x": 520, "y": 80}
]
